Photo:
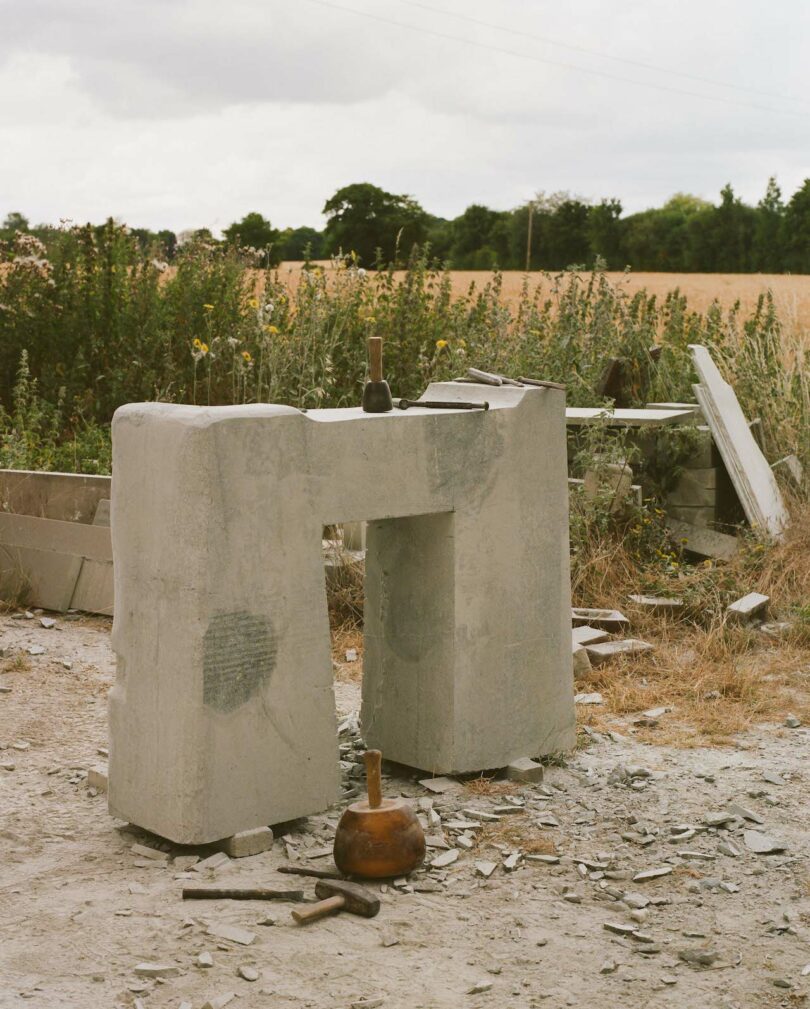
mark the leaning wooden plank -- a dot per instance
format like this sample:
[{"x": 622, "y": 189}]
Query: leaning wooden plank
[
  {"x": 67, "y": 497},
  {"x": 93, "y": 542},
  {"x": 38, "y": 577},
  {"x": 576, "y": 416},
  {"x": 748, "y": 468},
  {"x": 705, "y": 542}
]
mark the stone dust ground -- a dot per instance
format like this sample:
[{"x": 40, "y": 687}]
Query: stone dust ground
[{"x": 78, "y": 910}]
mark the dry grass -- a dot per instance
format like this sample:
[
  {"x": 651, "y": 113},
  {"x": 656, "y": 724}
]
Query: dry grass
[
  {"x": 343, "y": 638},
  {"x": 489, "y": 786},
  {"x": 19, "y": 663},
  {"x": 517, "y": 832},
  {"x": 720, "y": 678}
]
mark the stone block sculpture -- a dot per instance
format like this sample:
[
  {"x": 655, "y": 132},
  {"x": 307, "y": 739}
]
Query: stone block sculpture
[{"x": 222, "y": 717}]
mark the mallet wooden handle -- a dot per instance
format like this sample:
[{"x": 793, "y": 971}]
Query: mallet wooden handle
[
  {"x": 320, "y": 910},
  {"x": 375, "y": 358},
  {"x": 373, "y": 759}
]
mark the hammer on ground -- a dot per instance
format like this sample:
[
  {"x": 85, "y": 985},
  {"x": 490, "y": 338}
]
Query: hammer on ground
[{"x": 338, "y": 895}]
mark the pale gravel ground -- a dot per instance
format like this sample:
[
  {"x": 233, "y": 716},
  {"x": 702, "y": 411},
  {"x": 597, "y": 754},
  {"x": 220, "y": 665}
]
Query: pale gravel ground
[{"x": 71, "y": 931}]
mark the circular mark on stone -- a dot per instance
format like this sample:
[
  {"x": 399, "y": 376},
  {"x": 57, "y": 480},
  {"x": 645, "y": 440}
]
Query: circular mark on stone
[{"x": 239, "y": 654}]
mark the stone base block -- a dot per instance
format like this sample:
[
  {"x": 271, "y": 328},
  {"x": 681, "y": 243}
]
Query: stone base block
[
  {"x": 525, "y": 769},
  {"x": 248, "y": 842}
]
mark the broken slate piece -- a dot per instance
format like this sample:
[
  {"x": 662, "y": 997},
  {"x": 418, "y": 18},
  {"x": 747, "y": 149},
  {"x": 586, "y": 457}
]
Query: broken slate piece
[
  {"x": 773, "y": 778},
  {"x": 762, "y": 844},
  {"x": 438, "y": 785},
  {"x": 219, "y": 1001},
  {"x": 479, "y": 988},
  {"x": 718, "y": 819},
  {"x": 745, "y": 813},
  {"x": 594, "y": 698},
  {"x": 607, "y": 620},
  {"x": 792, "y": 722},
  {"x": 215, "y": 861},
  {"x": 35, "y": 650},
  {"x": 658, "y": 604},
  {"x": 619, "y": 928},
  {"x": 142, "y": 849},
  {"x": 481, "y": 814},
  {"x": 446, "y": 858},
  {"x": 543, "y": 859},
  {"x": 698, "y": 957},
  {"x": 581, "y": 661},
  {"x": 156, "y": 970},
  {"x": 485, "y": 869},
  {"x": 585, "y": 635},
  {"x": 232, "y": 933},
  {"x": 648, "y": 874},
  {"x": 248, "y": 973},
  {"x": 610, "y": 649}
]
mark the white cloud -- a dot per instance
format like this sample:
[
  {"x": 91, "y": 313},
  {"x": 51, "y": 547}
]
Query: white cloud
[{"x": 183, "y": 114}]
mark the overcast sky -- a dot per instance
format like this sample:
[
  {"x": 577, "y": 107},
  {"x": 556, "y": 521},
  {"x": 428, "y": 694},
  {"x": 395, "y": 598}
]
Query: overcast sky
[{"x": 190, "y": 113}]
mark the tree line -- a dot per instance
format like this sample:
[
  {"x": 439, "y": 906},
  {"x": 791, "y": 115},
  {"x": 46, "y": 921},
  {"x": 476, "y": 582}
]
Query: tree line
[{"x": 550, "y": 232}]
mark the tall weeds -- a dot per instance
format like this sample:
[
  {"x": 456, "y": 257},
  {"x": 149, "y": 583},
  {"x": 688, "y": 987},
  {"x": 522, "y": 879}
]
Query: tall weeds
[{"x": 102, "y": 324}]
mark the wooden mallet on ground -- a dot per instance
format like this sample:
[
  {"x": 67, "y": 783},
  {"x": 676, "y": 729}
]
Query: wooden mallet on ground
[{"x": 339, "y": 895}]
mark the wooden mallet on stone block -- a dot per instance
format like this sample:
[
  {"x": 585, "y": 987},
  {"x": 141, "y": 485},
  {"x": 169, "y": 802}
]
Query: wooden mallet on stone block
[
  {"x": 376, "y": 395},
  {"x": 339, "y": 895}
]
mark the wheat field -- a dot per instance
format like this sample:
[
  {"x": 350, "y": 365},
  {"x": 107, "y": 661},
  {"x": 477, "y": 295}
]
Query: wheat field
[{"x": 791, "y": 292}]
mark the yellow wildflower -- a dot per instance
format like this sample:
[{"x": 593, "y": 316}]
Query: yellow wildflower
[
  {"x": 246, "y": 356},
  {"x": 203, "y": 348},
  {"x": 253, "y": 303},
  {"x": 441, "y": 344},
  {"x": 208, "y": 308},
  {"x": 197, "y": 344},
  {"x": 273, "y": 330}
]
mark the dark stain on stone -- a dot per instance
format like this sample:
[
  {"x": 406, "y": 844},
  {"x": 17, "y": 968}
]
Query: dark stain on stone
[{"x": 239, "y": 655}]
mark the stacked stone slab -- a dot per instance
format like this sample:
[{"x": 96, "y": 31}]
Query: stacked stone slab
[{"x": 222, "y": 716}]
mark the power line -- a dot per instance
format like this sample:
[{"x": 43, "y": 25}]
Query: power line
[
  {"x": 601, "y": 55},
  {"x": 445, "y": 36}
]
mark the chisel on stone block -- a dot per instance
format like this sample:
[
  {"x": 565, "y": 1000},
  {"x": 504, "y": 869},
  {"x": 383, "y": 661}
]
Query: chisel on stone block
[{"x": 436, "y": 404}]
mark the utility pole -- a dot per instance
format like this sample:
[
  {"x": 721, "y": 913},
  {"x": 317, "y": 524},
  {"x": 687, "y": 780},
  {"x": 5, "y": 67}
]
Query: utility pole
[{"x": 529, "y": 237}]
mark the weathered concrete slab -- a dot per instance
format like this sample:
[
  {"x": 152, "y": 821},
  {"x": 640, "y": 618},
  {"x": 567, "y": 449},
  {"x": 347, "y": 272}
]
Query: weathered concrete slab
[
  {"x": 600, "y": 653},
  {"x": 748, "y": 468},
  {"x": 95, "y": 587},
  {"x": 585, "y": 635},
  {"x": 38, "y": 577},
  {"x": 576, "y": 416},
  {"x": 705, "y": 542},
  {"x": 222, "y": 715},
  {"x": 752, "y": 605},
  {"x": 67, "y": 497},
  {"x": 608, "y": 620},
  {"x": 657, "y": 604}
]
